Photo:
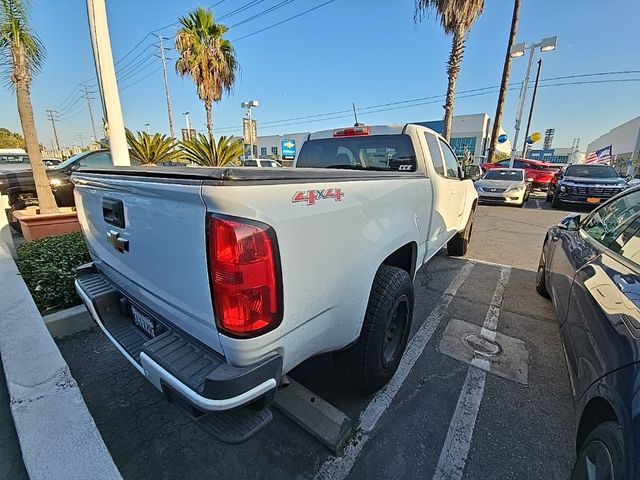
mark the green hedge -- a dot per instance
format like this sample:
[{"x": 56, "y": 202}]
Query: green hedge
[{"x": 48, "y": 267}]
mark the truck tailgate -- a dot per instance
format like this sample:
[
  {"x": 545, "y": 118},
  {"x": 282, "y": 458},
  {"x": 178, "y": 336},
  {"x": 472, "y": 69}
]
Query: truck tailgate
[{"x": 155, "y": 251}]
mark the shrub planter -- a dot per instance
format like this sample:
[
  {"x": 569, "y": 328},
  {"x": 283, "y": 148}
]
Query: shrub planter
[{"x": 35, "y": 225}]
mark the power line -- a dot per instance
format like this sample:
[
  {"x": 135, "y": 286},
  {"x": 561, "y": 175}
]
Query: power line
[
  {"x": 417, "y": 102},
  {"x": 284, "y": 21},
  {"x": 240, "y": 9},
  {"x": 93, "y": 125},
  {"x": 263, "y": 13},
  {"x": 140, "y": 79}
]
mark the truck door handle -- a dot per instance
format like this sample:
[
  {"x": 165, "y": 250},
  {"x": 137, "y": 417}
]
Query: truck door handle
[{"x": 113, "y": 212}]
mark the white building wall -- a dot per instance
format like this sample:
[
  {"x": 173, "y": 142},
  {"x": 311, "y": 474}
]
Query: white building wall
[
  {"x": 267, "y": 144},
  {"x": 625, "y": 139}
]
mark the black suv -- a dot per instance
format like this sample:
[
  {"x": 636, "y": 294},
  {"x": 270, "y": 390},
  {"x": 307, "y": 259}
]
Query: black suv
[{"x": 587, "y": 184}]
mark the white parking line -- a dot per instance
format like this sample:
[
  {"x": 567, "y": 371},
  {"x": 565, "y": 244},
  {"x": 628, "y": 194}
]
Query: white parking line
[
  {"x": 453, "y": 456},
  {"x": 337, "y": 468}
]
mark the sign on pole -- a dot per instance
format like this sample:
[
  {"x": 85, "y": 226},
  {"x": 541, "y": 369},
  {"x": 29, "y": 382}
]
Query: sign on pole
[
  {"x": 288, "y": 149},
  {"x": 250, "y": 135},
  {"x": 188, "y": 134}
]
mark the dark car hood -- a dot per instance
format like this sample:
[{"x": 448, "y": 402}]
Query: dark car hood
[{"x": 593, "y": 181}]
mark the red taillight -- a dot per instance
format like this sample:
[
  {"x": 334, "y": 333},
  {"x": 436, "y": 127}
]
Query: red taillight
[
  {"x": 243, "y": 271},
  {"x": 351, "y": 131}
]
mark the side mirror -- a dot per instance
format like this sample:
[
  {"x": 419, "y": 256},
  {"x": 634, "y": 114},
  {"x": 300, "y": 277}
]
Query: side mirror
[{"x": 571, "y": 222}]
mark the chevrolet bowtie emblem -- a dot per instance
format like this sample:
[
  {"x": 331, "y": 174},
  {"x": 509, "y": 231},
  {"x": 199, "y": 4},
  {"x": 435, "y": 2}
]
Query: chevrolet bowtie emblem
[{"x": 120, "y": 244}]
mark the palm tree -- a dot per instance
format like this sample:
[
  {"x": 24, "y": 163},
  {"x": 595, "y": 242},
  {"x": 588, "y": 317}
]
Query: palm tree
[
  {"x": 207, "y": 57},
  {"x": 205, "y": 152},
  {"x": 456, "y": 18},
  {"x": 22, "y": 55},
  {"x": 150, "y": 149}
]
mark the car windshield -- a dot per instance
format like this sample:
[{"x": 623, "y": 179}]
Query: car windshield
[
  {"x": 591, "y": 171},
  {"x": 68, "y": 161},
  {"x": 504, "y": 174},
  {"x": 376, "y": 152}
]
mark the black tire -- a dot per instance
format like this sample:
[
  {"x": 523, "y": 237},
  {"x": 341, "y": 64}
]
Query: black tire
[
  {"x": 459, "y": 244},
  {"x": 21, "y": 204},
  {"x": 376, "y": 354},
  {"x": 541, "y": 283},
  {"x": 549, "y": 196},
  {"x": 556, "y": 202},
  {"x": 523, "y": 203},
  {"x": 604, "y": 451}
]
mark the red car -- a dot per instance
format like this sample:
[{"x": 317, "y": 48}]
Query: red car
[{"x": 540, "y": 173}]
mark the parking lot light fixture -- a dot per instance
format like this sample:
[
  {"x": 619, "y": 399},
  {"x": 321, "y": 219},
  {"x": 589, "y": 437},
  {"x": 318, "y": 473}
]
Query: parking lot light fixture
[{"x": 518, "y": 50}]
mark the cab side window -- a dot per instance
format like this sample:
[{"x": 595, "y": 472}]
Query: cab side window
[
  {"x": 608, "y": 223},
  {"x": 450, "y": 161},
  {"x": 434, "y": 151},
  {"x": 97, "y": 160}
]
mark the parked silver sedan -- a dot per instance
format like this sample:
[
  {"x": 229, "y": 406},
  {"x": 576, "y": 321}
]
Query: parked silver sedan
[{"x": 504, "y": 186}]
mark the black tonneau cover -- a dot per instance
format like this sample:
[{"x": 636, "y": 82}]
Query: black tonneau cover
[{"x": 222, "y": 175}]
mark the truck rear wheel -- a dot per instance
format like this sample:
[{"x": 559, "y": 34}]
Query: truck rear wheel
[
  {"x": 376, "y": 355},
  {"x": 459, "y": 243}
]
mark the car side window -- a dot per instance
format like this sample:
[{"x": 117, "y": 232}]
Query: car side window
[
  {"x": 250, "y": 163},
  {"x": 608, "y": 222},
  {"x": 631, "y": 247},
  {"x": 436, "y": 155},
  {"x": 450, "y": 160},
  {"x": 97, "y": 160},
  {"x": 503, "y": 163}
]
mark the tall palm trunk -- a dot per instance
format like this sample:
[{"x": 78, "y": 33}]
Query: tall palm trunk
[
  {"x": 506, "y": 69},
  {"x": 453, "y": 70},
  {"x": 25, "y": 110},
  {"x": 208, "y": 108}
]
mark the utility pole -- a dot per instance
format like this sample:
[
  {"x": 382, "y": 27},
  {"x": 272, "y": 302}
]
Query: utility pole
[
  {"x": 533, "y": 102},
  {"x": 146, "y": 125},
  {"x": 53, "y": 116},
  {"x": 506, "y": 69},
  {"x": 89, "y": 98},
  {"x": 166, "y": 85},
  {"x": 105, "y": 70}
]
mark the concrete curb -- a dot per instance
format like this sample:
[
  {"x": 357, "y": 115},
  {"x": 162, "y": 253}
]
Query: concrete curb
[
  {"x": 69, "y": 321},
  {"x": 58, "y": 437}
]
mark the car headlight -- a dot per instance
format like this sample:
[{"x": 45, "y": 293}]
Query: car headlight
[
  {"x": 478, "y": 187},
  {"x": 55, "y": 182},
  {"x": 516, "y": 188},
  {"x": 563, "y": 188}
]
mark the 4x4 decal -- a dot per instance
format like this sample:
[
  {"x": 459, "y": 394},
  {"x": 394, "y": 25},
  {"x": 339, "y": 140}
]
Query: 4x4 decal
[{"x": 311, "y": 196}]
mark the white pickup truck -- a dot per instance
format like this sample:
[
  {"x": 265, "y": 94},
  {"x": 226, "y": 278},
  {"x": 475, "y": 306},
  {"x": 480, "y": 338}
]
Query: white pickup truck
[{"x": 216, "y": 282}]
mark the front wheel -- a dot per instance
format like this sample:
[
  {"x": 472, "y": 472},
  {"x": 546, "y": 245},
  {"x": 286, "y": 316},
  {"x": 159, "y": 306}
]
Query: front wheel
[
  {"x": 556, "y": 202},
  {"x": 602, "y": 456},
  {"x": 459, "y": 243},
  {"x": 376, "y": 355},
  {"x": 541, "y": 282}
]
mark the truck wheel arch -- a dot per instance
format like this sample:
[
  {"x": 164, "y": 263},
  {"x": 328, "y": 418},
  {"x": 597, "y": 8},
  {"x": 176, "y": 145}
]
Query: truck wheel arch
[{"x": 405, "y": 258}]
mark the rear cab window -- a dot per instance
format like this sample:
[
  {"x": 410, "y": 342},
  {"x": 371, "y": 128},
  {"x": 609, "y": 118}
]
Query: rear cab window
[{"x": 371, "y": 152}]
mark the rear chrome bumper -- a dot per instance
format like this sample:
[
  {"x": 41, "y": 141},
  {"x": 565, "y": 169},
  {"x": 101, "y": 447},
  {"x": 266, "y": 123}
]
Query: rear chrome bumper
[{"x": 173, "y": 362}]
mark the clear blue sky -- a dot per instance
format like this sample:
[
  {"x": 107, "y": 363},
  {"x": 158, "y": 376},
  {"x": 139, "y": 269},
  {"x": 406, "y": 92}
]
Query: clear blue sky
[{"x": 367, "y": 51}]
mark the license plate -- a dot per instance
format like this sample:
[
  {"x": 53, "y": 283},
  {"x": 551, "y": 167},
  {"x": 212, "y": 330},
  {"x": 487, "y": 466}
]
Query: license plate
[
  {"x": 143, "y": 322},
  {"x": 593, "y": 200}
]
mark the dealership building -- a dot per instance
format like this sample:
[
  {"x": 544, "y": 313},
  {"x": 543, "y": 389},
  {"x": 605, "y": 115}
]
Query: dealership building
[
  {"x": 557, "y": 155},
  {"x": 624, "y": 140},
  {"x": 469, "y": 133}
]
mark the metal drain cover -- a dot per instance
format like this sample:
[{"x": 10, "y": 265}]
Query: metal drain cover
[{"x": 482, "y": 345}]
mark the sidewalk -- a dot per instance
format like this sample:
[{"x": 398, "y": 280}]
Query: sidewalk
[{"x": 11, "y": 465}]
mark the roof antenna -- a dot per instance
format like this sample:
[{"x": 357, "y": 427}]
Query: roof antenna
[{"x": 355, "y": 114}]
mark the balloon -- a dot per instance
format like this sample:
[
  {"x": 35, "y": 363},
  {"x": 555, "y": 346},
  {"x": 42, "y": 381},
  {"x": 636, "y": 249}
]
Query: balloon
[
  {"x": 535, "y": 136},
  {"x": 502, "y": 138}
]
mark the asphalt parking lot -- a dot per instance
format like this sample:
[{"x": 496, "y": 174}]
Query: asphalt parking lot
[{"x": 447, "y": 414}]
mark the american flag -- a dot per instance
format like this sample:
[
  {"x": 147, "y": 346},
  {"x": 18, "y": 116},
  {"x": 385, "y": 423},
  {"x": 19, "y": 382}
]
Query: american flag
[{"x": 602, "y": 156}]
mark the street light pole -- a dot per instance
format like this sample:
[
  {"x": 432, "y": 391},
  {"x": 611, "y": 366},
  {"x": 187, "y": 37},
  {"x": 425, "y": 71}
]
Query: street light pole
[
  {"x": 533, "y": 102},
  {"x": 249, "y": 105},
  {"x": 105, "y": 71},
  {"x": 523, "y": 96},
  {"x": 186, "y": 117},
  {"x": 518, "y": 50}
]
